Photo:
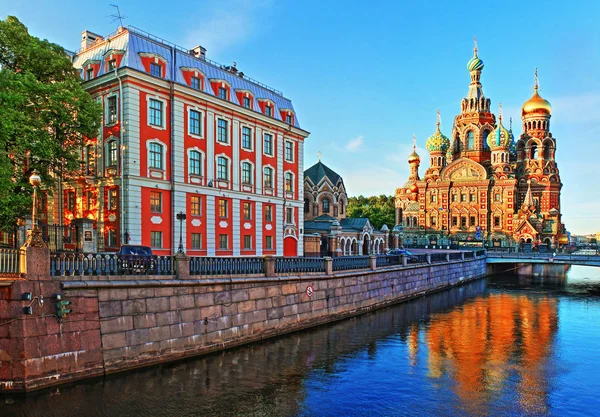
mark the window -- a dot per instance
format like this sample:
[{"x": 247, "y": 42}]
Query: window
[
  {"x": 470, "y": 140},
  {"x": 433, "y": 198},
  {"x": 222, "y": 131},
  {"x": 268, "y": 242},
  {"x": 288, "y": 118},
  {"x": 485, "y": 136},
  {"x": 325, "y": 204},
  {"x": 111, "y": 238},
  {"x": 268, "y": 213},
  {"x": 155, "y": 156},
  {"x": 89, "y": 200},
  {"x": 463, "y": 198},
  {"x": 223, "y": 208},
  {"x": 289, "y": 151},
  {"x": 247, "y": 242},
  {"x": 89, "y": 73},
  {"x": 289, "y": 182},
  {"x": 222, "y": 168},
  {"x": 112, "y": 199},
  {"x": 497, "y": 197},
  {"x": 289, "y": 215},
  {"x": 112, "y": 65},
  {"x": 195, "y": 123},
  {"x": 307, "y": 205},
  {"x": 247, "y": 211},
  {"x": 454, "y": 221},
  {"x": 246, "y": 138},
  {"x": 496, "y": 221},
  {"x": 156, "y": 239},
  {"x": 71, "y": 200},
  {"x": 156, "y": 112},
  {"x": 111, "y": 113},
  {"x": 90, "y": 160},
  {"x": 473, "y": 198},
  {"x": 196, "y": 240},
  {"x": 222, "y": 93},
  {"x": 432, "y": 221},
  {"x": 246, "y": 173},
  {"x": 268, "y": 144},
  {"x": 268, "y": 111},
  {"x": 463, "y": 221},
  {"x": 112, "y": 154},
  {"x": 246, "y": 102},
  {"x": 195, "y": 163},
  {"x": 155, "y": 70},
  {"x": 223, "y": 242},
  {"x": 268, "y": 177},
  {"x": 155, "y": 202},
  {"x": 196, "y": 205},
  {"x": 534, "y": 152},
  {"x": 195, "y": 83},
  {"x": 473, "y": 222}
]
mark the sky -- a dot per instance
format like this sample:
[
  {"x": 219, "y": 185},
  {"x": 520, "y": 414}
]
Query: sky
[{"x": 364, "y": 77}]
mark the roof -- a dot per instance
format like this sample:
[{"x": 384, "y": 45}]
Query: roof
[
  {"x": 319, "y": 171},
  {"x": 354, "y": 223},
  {"x": 134, "y": 42}
]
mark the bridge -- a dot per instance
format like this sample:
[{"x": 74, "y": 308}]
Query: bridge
[{"x": 496, "y": 257}]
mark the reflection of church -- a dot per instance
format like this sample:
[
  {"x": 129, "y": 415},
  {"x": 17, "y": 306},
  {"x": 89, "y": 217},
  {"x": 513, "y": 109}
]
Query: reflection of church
[{"x": 480, "y": 184}]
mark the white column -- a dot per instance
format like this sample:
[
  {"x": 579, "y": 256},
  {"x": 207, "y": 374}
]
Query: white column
[
  {"x": 279, "y": 217},
  {"x": 131, "y": 129},
  {"x": 235, "y": 143},
  {"x": 279, "y": 157},
  {"x": 133, "y": 214},
  {"x": 235, "y": 221},
  {"x": 179, "y": 154},
  {"x": 258, "y": 149},
  {"x": 210, "y": 149},
  {"x": 210, "y": 225},
  {"x": 259, "y": 228},
  {"x": 179, "y": 199}
]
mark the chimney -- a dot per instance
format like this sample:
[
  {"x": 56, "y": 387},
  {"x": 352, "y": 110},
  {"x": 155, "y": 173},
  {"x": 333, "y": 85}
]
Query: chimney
[
  {"x": 88, "y": 39},
  {"x": 198, "y": 52}
]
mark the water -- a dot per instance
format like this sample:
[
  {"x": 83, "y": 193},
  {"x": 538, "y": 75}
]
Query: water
[{"x": 503, "y": 347}]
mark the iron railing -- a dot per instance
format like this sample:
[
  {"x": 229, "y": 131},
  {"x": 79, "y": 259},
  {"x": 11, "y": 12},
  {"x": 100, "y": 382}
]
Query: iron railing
[
  {"x": 344, "y": 263},
  {"x": 9, "y": 261},
  {"x": 299, "y": 264},
  {"x": 75, "y": 264},
  {"x": 225, "y": 266}
]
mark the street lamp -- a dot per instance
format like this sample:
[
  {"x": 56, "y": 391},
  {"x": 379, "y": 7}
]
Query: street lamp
[
  {"x": 181, "y": 217},
  {"x": 35, "y": 239}
]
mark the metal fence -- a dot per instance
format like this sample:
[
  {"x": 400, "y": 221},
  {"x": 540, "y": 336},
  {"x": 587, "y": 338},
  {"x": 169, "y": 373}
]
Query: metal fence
[
  {"x": 344, "y": 263},
  {"x": 225, "y": 266},
  {"x": 75, "y": 264},
  {"x": 299, "y": 264}
]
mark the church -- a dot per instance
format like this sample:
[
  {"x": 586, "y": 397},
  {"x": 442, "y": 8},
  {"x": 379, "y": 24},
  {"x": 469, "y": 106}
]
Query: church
[{"x": 482, "y": 187}]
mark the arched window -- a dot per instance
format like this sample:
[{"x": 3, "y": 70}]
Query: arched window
[
  {"x": 534, "y": 151},
  {"x": 306, "y": 205},
  {"x": 547, "y": 152},
  {"x": 268, "y": 177},
  {"x": 112, "y": 154},
  {"x": 325, "y": 205},
  {"x": 195, "y": 163},
  {"x": 470, "y": 140},
  {"x": 485, "y": 136},
  {"x": 222, "y": 168},
  {"x": 246, "y": 173},
  {"x": 155, "y": 154},
  {"x": 289, "y": 182}
]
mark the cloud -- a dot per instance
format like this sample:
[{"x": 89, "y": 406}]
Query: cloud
[
  {"x": 582, "y": 108},
  {"x": 355, "y": 144},
  {"x": 372, "y": 180},
  {"x": 232, "y": 23}
]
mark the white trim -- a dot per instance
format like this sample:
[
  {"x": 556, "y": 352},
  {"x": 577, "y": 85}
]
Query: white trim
[
  {"x": 163, "y": 159},
  {"x": 228, "y": 121},
  {"x": 164, "y": 112},
  {"x": 109, "y": 95},
  {"x": 217, "y": 179},
  {"x": 273, "y": 178},
  {"x": 293, "y": 190},
  {"x": 252, "y": 173},
  {"x": 202, "y": 165},
  {"x": 273, "y": 144},
  {"x": 153, "y": 55},
  {"x": 189, "y": 109},
  {"x": 252, "y": 138},
  {"x": 285, "y": 142}
]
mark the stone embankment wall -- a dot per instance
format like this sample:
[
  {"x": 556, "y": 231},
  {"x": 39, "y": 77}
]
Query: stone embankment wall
[{"x": 119, "y": 323}]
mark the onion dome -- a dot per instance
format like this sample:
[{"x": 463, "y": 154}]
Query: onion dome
[
  {"x": 500, "y": 137},
  {"x": 414, "y": 156},
  {"x": 536, "y": 104},
  {"x": 437, "y": 142},
  {"x": 475, "y": 64},
  {"x": 414, "y": 188}
]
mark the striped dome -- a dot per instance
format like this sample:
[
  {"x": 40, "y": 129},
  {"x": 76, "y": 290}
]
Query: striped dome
[
  {"x": 475, "y": 64},
  {"x": 499, "y": 137},
  {"x": 437, "y": 142}
]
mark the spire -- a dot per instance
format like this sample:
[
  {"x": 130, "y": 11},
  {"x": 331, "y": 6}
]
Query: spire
[
  {"x": 536, "y": 82},
  {"x": 439, "y": 119},
  {"x": 475, "y": 45},
  {"x": 528, "y": 197},
  {"x": 319, "y": 156},
  {"x": 414, "y": 143},
  {"x": 510, "y": 123},
  {"x": 500, "y": 112}
]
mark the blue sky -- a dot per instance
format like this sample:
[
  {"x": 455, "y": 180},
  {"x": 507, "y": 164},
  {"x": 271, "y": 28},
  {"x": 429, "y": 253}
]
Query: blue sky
[{"x": 365, "y": 76}]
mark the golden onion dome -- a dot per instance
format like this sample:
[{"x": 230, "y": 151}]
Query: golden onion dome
[
  {"x": 414, "y": 188},
  {"x": 414, "y": 157},
  {"x": 536, "y": 104}
]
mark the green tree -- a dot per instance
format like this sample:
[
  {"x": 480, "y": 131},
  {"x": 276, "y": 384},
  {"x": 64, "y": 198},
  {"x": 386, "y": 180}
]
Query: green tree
[
  {"x": 379, "y": 210},
  {"x": 44, "y": 116}
]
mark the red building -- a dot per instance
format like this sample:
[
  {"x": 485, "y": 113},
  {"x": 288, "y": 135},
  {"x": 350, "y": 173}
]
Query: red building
[{"x": 183, "y": 134}]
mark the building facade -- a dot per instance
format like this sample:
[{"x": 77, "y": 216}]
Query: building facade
[
  {"x": 327, "y": 229},
  {"x": 481, "y": 187},
  {"x": 186, "y": 145}
]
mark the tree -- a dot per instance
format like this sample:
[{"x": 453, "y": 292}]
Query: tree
[
  {"x": 379, "y": 210},
  {"x": 44, "y": 116}
]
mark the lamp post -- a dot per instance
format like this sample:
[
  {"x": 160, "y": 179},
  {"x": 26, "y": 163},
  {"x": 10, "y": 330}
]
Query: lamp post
[
  {"x": 181, "y": 217},
  {"x": 35, "y": 239}
]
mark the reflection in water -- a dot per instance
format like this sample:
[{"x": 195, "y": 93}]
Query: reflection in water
[{"x": 487, "y": 348}]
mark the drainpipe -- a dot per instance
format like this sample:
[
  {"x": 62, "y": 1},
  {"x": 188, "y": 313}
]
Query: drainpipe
[
  {"x": 121, "y": 162},
  {"x": 171, "y": 147}
]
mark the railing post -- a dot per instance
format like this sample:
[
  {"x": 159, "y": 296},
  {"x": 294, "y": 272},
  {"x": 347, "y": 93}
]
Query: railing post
[
  {"x": 269, "y": 266},
  {"x": 373, "y": 262},
  {"x": 328, "y": 265},
  {"x": 462, "y": 256},
  {"x": 429, "y": 258},
  {"x": 182, "y": 266},
  {"x": 403, "y": 260},
  {"x": 447, "y": 257},
  {"x": 35, "y": 263}
]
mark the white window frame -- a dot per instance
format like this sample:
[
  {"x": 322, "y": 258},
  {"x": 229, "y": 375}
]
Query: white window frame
[
  {"x": 202, "y": 119},
  {"x": 272, "y": 154},
  {"x": 273, "y": 177},
  {"x": 202, "y": 161},
  {"x": 164, "y": 112},
  {"x": 252, "y": 180},
  {"x": 228, "y": 179},
  {"x": 228, "y": 143},
  {"x": 107, "y": 152},
  {"x": 106, "y": 113},
  {"x": 293, "y": 182},
  {"x": 251, "y": 148},
  {"x": 285, "y": 150},
  {"x": 163, "y": 157}
]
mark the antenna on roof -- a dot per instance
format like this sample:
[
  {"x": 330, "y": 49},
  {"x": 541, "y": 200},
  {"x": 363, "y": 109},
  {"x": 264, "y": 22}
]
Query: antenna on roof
[
  {"x": 319, "y": 156},
  {"x": 117, "y": 17}
]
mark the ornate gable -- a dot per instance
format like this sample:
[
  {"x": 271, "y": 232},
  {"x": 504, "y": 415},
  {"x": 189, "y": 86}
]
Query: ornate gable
[
  {"x": 525, "y": 228},
  {"x": 463, "y": 169}
]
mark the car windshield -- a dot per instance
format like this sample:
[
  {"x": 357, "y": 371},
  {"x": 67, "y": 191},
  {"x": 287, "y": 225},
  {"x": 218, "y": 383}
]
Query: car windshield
[{"x": 136, "y": 250}]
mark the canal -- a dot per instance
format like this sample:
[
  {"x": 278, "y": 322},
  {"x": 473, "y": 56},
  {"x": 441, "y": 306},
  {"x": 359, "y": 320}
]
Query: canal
[{"x": 504, "y": 346}]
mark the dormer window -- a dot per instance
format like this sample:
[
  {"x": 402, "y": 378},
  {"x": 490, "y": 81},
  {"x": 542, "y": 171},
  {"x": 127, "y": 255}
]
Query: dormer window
[
  {"x": 247, "y": 102},
  {"x": 195, "y": 83},
  {"x": 268, "y": 111},
  {"x": 222, "y": 93},
  {"x": 288, "y": 118},
  {"x": 112, "y": 64},
  {"x": 89, "y": 74},
  {"x": 155, "y": 70}
]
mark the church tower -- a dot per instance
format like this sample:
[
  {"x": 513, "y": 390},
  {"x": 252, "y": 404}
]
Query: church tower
[{"x": 473, "y": 124}]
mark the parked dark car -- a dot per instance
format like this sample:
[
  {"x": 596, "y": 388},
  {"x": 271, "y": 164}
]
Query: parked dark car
[
  {"x": 135, "y": 259},
  {"x": 409, "y": 256}
]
